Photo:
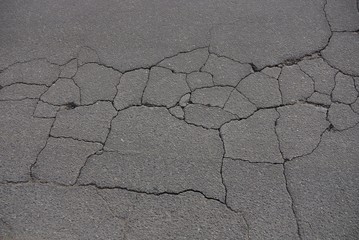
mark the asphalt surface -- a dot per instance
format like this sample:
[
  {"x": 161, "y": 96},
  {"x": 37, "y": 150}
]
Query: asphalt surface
[{"x": 162, "y": 119}]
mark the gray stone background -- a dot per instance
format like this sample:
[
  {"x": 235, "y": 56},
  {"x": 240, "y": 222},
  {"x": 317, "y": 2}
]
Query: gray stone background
[{"x": 161, "y": 119}]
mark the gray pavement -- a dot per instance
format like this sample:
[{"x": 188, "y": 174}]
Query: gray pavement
[{"x": 139, "y": 119}]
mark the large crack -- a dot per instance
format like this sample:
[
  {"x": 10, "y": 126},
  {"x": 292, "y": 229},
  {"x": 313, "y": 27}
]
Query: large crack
[
  {"x": 299, "y": 230},
  {"x": 172, "y": 193},
  {"x": 32, "y": 177},
  {"x": 100, "y": 151},
  {"x": 225, "y": 186},
  {"x": 285, "y": 178}
]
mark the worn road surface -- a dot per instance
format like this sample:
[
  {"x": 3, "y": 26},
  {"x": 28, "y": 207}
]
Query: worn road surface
[{"x": 160, "y": 119}]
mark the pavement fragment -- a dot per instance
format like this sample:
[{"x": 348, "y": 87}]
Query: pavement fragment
[
  {"x": 272, "y": 71},
  {"x": 261, "y": 90},
  {"x": 96, "y": 83},
  {"x": 63, "y": 91},
  {"x": 253, "y": 139},
  {"x": 184, "y": 100},
  {"x": 225, "y": 71},
  {"x": 61, "y": 160},
  {"x": 45, "y": 110},
  {"x": 21, "y": 91},
  {"x": 258, "y": 191},
  {"x": 299, "y": 129},
  {"x": 186, "y": 62},
  {"x": 239, "y": 105},
  {"x": 355, "y": 106},
  {"x": 164, "y": 88},
  {"x": 344, "y": 91},
  {"x": 281, "y": 33},
  {"x": 69, "y": 70},
  {"x": 342, "y": 116},
  {"x": 356, "y": 81},
  {"x": 324, "y": 186},
  {"x": 320, "y": 98},
  {"x": 89, "y": 123},
  {"x": 21, "y": 139},
  {"x": 342, "y": 52},
  {"x": 131, "y": 88},
  {"x": 208, "y": 117},
  {"x": 295, "y": 85},
  {"x": 212, "y": 96},
  {"x": 177, "y": 111},
  {"x": 322, "y": 74},
  {"x": 32, "y": 72},
  {"x": 152, "y": 151},
  {"x": 199, "y": 80},
  {"x": 342, "y": 15}
]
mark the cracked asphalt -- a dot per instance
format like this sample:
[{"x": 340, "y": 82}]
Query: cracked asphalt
[{"x": 139, "y": 119}]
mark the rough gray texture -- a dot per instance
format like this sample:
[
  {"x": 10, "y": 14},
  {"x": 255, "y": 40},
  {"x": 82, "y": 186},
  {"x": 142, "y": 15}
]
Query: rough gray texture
[
  {"x": 130, "y": 89},
  {"x": 155, "y": 152},
  {"x": 274, "y": 37},
  {"x": 91, "y": 123},
  {"x": 344, "y": 91},
  {"x": 295, "y": 85},
  {"x": 212, "y": 96},
  {"x": 96, "y": 83},
  {"x": 165, "y": 88},
  {"x": 35, "y": 72},
  {"x": 199, "y": 80},
  {"x": 239, "y": 105},
  {"x": 21, "y": 139},
  {"x": 69, "y": 70},
  {"x": 253, "y": 139},
  {"x": 21, "y": 91},
  {"x": 61, "y": 92},
  {"x": 343, "y": 15},
  {"x": 320, "y": 98},
  {"x": 61, "y": 160},
  {"x": 186, "y": 62},
  {"x": 322, "y": 74},
  {"x": 208, "y": 117},
  {"x": 261, "y": 90},
  {"x": 45, "y": 110},
  {"x": 342, "y": 116},
  {"x": 272, "y": 71},
  {"x": 324, "y": 185},
  {"x": 259, "y": 192},
  {"x": 37, "y": 211},
  {"x": 226, "y": 72},
  {"x": 300, "y": 128},
  {"x": 343, "y": 52}
]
